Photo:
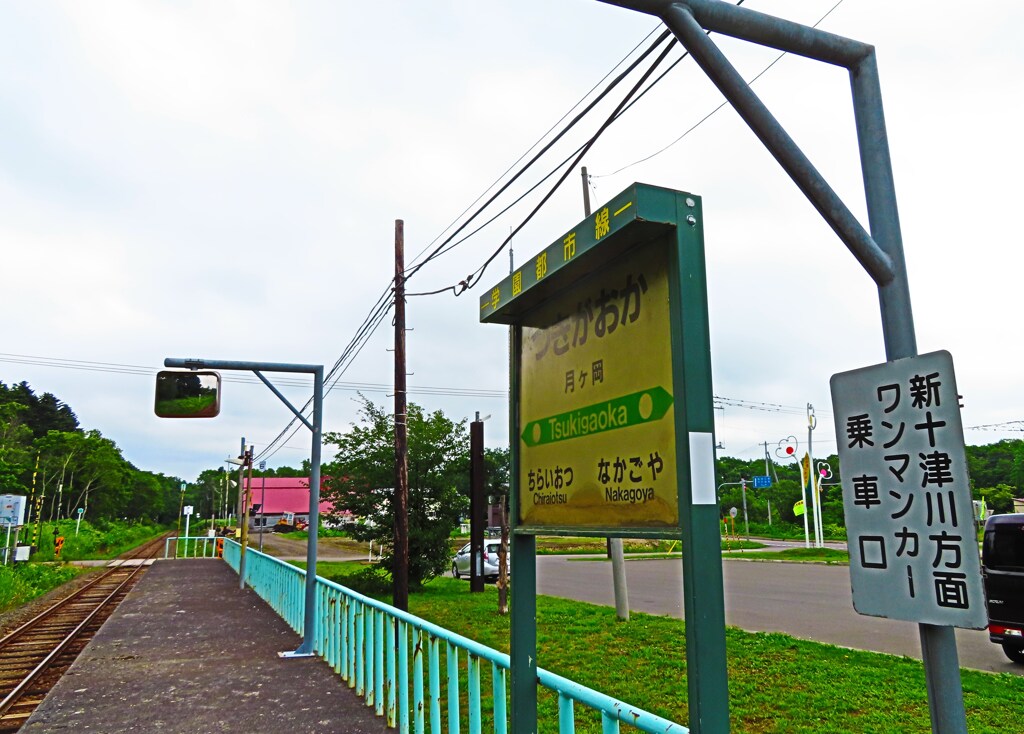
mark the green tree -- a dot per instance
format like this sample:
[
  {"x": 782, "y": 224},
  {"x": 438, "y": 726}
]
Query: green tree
[
  {"x": 998, "y": 499},
  {"x": 44, "y": 412},
  {"x": 15, "y": 448},
  {"x": 998, "y": 463},
  {"x": 100, "y": 481},
  {"x": 362, "y": 478}
]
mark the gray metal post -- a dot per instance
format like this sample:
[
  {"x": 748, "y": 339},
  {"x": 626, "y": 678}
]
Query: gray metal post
[
  {"x": 313, "y": 530},
  {"x": 880, "y": 253},
  {"x": 938, "y": 644}
]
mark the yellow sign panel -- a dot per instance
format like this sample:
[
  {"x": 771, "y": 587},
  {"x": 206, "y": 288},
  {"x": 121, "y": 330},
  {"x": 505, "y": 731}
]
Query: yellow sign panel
[{"x": 597, "y": 447}]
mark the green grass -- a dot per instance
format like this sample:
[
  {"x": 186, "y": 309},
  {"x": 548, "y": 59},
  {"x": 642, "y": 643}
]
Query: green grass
[
  {"x": 23, "y": 582},
  {"x": 798, "y": 555},
  {"x": 566, "y": 545},
  {"x": 777, "y": 683},
  {"x": 304, "y": 534}
]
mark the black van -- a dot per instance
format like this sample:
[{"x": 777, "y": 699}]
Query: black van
[{"x": 1003, "y": 565}]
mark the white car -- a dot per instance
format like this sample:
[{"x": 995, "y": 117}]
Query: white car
[{"x": 489, "y": 569}]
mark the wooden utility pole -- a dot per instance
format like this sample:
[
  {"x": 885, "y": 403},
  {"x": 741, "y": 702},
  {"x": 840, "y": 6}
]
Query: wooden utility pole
[
  {"x": 400, "y": 572},
  {"x": 477, "y": 505}
]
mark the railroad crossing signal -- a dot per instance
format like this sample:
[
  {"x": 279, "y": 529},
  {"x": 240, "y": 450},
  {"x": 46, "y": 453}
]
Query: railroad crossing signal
[{"x": 58, "y": 543}]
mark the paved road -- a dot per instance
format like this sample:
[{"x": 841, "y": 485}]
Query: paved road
[{"x": 810, "y": 601}]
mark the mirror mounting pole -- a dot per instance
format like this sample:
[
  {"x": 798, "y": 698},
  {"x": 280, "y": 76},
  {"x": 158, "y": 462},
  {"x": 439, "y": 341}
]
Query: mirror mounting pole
[{"x": 306, "y": 649}]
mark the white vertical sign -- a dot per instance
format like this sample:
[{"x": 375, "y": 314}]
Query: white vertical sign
[{"x": 909, "y": 520}]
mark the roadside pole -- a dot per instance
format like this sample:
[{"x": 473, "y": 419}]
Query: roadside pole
[
  {"x": 615, "y": 551},
  {"x": 188, "y": 515}
]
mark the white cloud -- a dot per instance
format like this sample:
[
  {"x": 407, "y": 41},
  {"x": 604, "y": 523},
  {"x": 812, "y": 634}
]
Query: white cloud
[{"x": 221, "y": 180}]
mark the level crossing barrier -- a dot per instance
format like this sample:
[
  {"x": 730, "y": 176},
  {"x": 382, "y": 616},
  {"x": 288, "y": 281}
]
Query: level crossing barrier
[{"x": 351, "y": 630}]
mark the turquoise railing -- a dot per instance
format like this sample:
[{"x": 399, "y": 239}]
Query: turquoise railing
[{"x": 351, "y": 630}]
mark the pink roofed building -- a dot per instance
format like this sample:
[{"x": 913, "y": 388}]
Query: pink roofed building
[{"x": 274, "y": 498}]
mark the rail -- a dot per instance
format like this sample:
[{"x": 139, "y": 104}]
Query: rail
[
  {"x": 36, "y": 654},
  {"x": 350, "y": 634}
]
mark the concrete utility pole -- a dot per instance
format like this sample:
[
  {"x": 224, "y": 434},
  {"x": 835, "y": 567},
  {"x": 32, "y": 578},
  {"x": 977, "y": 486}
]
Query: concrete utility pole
[
  {"x": 400, "y": 573},
  {"x": 615, "y": 552}
]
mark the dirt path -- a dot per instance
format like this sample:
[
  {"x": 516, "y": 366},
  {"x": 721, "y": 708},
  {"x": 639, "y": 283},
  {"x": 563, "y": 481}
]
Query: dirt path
[{"x": 328, "y": 549}]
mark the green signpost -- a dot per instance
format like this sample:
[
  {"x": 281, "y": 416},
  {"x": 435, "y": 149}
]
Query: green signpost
[{"x": 612, "y": 414}]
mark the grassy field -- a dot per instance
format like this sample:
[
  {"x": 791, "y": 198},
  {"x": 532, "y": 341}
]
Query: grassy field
[
  {"x": 569, "y": 545},
  {"x": 777, "y": 683},
  {"x": 797, "y": 555},
  {"x": 23, "y": 582}
]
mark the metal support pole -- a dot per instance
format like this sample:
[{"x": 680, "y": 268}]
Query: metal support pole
[
  {"x": 313, "y": 530},
  {"x": 310, "y": 609},
  {"x": 938, "y": 644},
  {"x": 880, "y": 253}
]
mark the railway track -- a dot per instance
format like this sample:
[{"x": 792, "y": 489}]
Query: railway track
[{"x": 35, "y": 655}]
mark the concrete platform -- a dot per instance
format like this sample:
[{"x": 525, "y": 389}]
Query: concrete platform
[{"x": 188, "y": 651}]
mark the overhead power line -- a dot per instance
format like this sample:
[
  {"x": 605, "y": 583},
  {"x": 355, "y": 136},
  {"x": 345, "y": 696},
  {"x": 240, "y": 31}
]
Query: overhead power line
[
  {"x": 713, "y": 112},
  {"x": 241, "y": 378}
]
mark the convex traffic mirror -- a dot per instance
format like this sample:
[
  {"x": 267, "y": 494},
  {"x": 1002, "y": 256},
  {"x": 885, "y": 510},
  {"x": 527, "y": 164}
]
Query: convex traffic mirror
[{"x": 187, "y": 394}]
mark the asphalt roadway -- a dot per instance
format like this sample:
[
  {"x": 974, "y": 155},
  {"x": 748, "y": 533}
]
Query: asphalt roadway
[{"x": 807, "y": 600}]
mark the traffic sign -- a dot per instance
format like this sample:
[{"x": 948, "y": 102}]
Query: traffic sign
[
  {"x": 188, "y": 510},
  {"x": 762, "y": 482}
]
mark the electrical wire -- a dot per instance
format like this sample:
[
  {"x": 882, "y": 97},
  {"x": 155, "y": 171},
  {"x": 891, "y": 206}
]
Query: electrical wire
[
  {"x": 709, "y": 115},
  {"x": 618, "y": 79},
  {"x": 533, "y": 147},
  {"x": 475, "y": 276},
  {"x": 242, "y": 378}
]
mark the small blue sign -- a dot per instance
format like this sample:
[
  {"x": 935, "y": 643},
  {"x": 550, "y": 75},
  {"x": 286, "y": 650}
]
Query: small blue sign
[{"x": 762, "y": 482}]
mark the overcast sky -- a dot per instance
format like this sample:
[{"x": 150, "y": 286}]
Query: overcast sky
[{"x": 221, "y": 180}]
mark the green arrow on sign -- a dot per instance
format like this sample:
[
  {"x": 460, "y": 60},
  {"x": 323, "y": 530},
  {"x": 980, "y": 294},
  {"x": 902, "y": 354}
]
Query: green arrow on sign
[{"x": 634, "y": 409}]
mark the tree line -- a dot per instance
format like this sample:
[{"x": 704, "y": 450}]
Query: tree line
[
  {"x": 996, "y": 472},
  {"x": 44, "y": 453},
  {"x": 47, "y": 456}
]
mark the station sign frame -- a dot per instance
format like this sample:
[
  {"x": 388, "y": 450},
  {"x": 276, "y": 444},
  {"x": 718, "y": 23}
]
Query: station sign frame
[
  {"x": 657, "y": 234},
  {"x": 663, "y": 229}
]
